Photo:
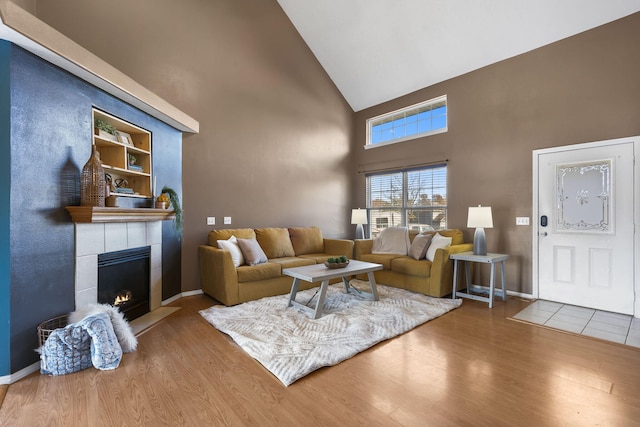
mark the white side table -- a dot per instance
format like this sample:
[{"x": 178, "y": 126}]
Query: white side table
[{"x": 492, "y": 259}]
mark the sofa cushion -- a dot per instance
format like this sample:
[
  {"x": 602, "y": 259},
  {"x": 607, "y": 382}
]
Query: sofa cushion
[
  {"x": 231, "y": 245},
  {"x": 456, "y": 235},
  {"x": 251, "y": 273},
  {"x": 419, "y": 246},
  {"x": 252, "y": 252},
  {"x": 306, "y": 240},
  {"x": 319, "y": 258},
  {"x": 412, "y": 267},
  {"x": 289, "y": 262},
  {"x": 437, "y": 242},
  {"x": 384, "y": 259},
  {"x": 275, "y": 242},
  {"x": 225, "y": 234}
]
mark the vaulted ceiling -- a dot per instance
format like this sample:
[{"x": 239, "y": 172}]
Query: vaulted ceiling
[{"x": 378, "y": 50}]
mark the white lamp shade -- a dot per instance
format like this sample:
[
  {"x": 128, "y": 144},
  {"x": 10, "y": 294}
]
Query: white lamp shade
[
  {"x": 359, "y": 216},
  {"x": 480, "y": 217}
]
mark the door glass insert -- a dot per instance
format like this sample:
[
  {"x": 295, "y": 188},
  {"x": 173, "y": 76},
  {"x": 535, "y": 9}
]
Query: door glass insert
[{"x": 583, "y": 196}]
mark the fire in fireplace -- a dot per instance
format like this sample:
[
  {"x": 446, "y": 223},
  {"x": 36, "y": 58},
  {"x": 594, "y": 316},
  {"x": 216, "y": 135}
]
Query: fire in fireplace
[{"x": 123, "y": 280}]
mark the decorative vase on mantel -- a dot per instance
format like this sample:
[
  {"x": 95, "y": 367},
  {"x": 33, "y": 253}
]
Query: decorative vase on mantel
[{"x": 92, "y": 182}]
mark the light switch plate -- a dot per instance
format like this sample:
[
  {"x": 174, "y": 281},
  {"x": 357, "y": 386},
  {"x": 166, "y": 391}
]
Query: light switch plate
[
  {"x": 211, "y": 220},
  {"x": 227, "y": 220},
  {"x": 522, "y": 220}
]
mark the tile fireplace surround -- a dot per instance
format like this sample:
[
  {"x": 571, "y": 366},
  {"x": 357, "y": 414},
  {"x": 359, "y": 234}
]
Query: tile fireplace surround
[{"x": 96, "y": 238}]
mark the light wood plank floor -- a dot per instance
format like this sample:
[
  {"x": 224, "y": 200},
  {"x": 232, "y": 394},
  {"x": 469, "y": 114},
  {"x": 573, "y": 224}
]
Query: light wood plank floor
[{"x": 471, "y": 367}]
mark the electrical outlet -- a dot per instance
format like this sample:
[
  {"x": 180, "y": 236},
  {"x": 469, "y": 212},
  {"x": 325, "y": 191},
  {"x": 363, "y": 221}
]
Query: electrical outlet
[
  {"x": 227, "y": 220},
  {"x": 522, "y": 220},
  {"x": 211, "y": 220}
]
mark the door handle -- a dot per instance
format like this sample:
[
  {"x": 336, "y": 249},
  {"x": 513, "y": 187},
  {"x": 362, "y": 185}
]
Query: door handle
[{"x": 543, "y": 234}]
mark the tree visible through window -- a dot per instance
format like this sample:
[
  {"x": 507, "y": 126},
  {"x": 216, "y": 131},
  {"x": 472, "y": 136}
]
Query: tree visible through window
[{"x": 415, "y": 198}]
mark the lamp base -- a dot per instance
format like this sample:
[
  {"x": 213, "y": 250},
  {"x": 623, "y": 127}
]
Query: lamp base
[
  {"x": 359, "y": 231},
  {"x": 479, "y": 242}
]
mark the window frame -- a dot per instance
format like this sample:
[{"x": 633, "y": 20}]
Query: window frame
[
  {"x": 406, "y": 209},
  {"x": 370, "y": 123}
]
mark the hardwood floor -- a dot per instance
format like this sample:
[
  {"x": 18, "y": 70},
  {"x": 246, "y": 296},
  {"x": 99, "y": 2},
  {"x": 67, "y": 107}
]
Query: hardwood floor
[
  {"x": 3, "y": 392},
  {"x": 472, "y": 366}
]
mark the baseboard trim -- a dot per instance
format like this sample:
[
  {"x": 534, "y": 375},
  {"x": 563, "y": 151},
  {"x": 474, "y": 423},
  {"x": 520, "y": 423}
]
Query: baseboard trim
[
  {"x": 521, "y": 295},
  {"x": 181, "y": 295},
  {"x": 172, "y": 299},
  {"x": 24, "y": 372},
  {"x": 192, "y": 293},
  {"x": 512, "y": 293}
]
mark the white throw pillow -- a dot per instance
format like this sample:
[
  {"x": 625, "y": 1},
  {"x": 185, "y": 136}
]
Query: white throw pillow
[
  {"x": 231, "y": 245},
  {"x": 437, "y": 242}
]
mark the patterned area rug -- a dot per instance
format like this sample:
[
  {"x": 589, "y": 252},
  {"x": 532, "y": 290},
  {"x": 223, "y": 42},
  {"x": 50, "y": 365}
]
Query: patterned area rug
[{"x": 291, "y": 345}]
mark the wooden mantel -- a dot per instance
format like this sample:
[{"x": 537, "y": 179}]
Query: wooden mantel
[{"x": 93, "y": 214}]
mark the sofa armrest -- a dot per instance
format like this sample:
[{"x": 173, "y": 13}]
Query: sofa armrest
[
  {"x": 218, "y": 276},
  {"x": 339, "y": 247},
  {"x": 441, "y": 280},
  {"x": 361, "y": 247}
]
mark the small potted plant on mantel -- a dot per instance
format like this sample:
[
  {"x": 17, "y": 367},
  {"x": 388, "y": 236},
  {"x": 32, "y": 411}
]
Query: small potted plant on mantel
[
  {"x": 168, "y": 197},
  {"x": 104, "y": 129}
]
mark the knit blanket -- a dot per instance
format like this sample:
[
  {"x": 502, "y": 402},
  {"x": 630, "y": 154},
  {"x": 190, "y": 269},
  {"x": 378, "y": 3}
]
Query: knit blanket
[
  {"x": 392, "y": 240},
  {"x": 77, "y": 346},
  {"x": 126, "y": 338}
]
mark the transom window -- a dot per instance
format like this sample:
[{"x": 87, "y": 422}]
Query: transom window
[
  {"x": 413, "y": 198},
  {"x": 416, "y": 121}
]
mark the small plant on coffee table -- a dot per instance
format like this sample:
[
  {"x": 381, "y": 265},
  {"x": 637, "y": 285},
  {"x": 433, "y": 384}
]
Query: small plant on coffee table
[{"x": 337, "y": 262}]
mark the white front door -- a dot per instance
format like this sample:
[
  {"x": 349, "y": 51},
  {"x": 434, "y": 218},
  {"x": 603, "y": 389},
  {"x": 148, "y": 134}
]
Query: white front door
[{"x": 585, "y": 230}]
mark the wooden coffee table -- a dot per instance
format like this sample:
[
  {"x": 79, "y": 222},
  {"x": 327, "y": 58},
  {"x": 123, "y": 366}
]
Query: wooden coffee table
[{"x": 321, "y": 273}]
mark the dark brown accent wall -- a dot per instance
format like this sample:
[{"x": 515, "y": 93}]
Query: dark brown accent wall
[
  {"x": 275, "y": 134},
  {"x": 581, "y": 89}
]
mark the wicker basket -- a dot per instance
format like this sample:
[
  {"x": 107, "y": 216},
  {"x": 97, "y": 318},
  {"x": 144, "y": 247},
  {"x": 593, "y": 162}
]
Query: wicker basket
[{"x": 45, "y": 328}]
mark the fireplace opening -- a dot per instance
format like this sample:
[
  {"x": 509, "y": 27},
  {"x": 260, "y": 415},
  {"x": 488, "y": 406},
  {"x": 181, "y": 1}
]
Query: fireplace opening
[{"x": 123, "y": 280}]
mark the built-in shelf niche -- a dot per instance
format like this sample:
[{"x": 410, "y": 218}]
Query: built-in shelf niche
[{"x": 117, "y": 151}]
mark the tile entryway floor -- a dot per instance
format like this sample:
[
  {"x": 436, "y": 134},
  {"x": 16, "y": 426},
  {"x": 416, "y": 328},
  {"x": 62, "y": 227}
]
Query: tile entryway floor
[{"x": 619, "y": 328}]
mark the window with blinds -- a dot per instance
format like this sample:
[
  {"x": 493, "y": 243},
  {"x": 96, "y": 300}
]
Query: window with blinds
[
  {"x": 414, "y": 198},
  {"x": 423, "y": 119}
]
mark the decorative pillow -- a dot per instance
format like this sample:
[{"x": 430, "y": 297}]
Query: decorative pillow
[
  {"x": 436, "y": 243},
  {"x": 252, "y": 252},
  {"x": 231, "y": 245},
  {"x": 275, "y": 242},
  {"x": 392, "y": 240},
  {"x": 306, "y": 240},
  {"x": 419, "y": 246}
]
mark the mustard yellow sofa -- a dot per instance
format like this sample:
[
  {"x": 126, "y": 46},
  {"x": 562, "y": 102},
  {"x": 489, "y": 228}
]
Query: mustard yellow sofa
[
  {"x": 283, "y": 247},
  {"x": 430, "y": 278}
]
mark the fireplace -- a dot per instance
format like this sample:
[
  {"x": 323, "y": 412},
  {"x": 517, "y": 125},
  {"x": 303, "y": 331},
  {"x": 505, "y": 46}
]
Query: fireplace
[
  {"x": 123, "y": 280},
  {"x": 96, "y": 239}
]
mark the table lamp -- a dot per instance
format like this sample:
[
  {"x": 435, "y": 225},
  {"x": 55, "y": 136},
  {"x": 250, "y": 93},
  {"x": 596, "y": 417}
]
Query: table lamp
[
  {"x": 480, "y": 218},
  {"x": 359, "y": 217}
]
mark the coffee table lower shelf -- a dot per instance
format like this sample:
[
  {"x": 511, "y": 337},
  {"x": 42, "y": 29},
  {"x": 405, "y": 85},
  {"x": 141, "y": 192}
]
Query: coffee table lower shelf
[{"x": 320, "y": 273}]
